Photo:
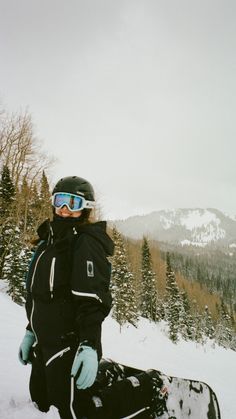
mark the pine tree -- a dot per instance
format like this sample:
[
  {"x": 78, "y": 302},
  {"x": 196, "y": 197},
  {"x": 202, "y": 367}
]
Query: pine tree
[
  {"x": 44, "y": 198},
  {"x": 148, "y": 298},
  {"x": 24, "y": 208},
  {"x": 29, "y": 209},
  {"x": 197, "y": 319},
  {"x": 186, "y": 318},
  {"x": 7, "y": 194},
  {"x": 122, "y": 284},
  {"x": 15, "y": 267},
  {"x": 173, "y": 302},
  {"x": 224, "y": 330},
  {"x": 207, "y": 324},
  {"x": 7, "y": 202}
]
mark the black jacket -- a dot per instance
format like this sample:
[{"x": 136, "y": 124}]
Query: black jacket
[{"x": 68, "y": 282}]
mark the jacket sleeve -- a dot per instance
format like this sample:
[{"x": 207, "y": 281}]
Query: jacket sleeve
[
  {"x": 90, "y": 287},
  {"x": 28, "y": 303},
  {"x": 28, "y": 307}
]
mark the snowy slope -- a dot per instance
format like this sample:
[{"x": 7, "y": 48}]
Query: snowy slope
[{"x": 142, "y": 347}]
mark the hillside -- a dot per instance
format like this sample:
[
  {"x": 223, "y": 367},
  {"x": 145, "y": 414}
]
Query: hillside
[
  {"x": 202, "y": 243},
  {"x": 195, "y": 290}
]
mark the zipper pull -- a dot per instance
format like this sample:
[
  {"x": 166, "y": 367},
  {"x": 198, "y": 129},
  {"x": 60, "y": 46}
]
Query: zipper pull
[{"x": 51, "y": 278}]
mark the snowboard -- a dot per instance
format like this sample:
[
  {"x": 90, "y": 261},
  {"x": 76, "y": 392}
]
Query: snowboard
[{"x": 179, "y": 398}]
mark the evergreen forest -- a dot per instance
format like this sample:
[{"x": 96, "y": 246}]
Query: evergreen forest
[{"x": 214, "y": 268}]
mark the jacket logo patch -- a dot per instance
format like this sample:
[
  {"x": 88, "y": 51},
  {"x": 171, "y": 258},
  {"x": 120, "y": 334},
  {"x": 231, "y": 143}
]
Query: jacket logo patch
[{"x": 90, "y": 269}]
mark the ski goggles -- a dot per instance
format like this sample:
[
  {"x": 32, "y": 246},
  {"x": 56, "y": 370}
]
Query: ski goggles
[{"x": 72, "y": 202}]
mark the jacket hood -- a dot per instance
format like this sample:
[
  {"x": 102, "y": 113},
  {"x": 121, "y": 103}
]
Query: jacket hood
[
  {"x": 98, "y": 231},
  {"x": 60, "y": 231}
]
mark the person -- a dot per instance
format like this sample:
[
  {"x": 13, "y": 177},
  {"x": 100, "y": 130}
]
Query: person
[{"x": 68, "y": 298}]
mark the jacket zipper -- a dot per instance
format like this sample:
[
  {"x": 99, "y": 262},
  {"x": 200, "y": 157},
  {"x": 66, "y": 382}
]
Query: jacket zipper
[
  {"x": 58, "y": 354},
  {"x": 51, "y": 278},
  {"x": 31, "y": 287}
]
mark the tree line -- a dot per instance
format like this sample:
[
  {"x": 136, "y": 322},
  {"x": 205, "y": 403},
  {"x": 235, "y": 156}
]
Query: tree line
[
  {"x": 24, "y": 197},
  {"x": 137, "y": 295}
]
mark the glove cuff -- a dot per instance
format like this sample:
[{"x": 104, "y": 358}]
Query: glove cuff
[
  {"x": 30, "y": 336},
  {"x": 89, "y": 343}
]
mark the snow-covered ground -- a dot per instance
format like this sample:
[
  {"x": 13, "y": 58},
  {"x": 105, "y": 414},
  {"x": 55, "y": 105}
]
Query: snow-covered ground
[{"x": 142, "y": 347}]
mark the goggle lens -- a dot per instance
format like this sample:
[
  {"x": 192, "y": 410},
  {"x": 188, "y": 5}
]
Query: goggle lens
[{"x": 73, "y": 202}]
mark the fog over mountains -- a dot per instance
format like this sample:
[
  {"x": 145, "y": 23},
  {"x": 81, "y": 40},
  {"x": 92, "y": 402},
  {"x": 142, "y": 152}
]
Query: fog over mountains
[{"x": 185, "y": 227}]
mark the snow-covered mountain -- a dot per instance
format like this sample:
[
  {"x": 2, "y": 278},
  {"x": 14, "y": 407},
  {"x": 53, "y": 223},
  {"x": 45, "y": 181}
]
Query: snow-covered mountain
[
  {"x": 195, "y": 226},
  {"x": 145, "y": 346}
]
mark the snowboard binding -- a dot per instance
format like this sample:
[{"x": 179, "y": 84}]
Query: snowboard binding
[
  {"x": 160, "y": 393},
  {"x": 109, "y": 372}
]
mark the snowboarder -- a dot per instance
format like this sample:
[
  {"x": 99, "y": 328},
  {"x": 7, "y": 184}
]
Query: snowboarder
[{"x": 68, "y": 297}]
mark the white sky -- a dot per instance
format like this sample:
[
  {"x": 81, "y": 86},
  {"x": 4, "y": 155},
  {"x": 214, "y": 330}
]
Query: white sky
[{"x": 137, "y": 96}]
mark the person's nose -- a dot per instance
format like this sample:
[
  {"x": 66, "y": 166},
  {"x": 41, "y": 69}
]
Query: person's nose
[{"x": 65, "y": 210}]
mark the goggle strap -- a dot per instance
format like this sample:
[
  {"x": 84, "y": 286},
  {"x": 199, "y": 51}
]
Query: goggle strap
[{"x": 87, "y": 204}]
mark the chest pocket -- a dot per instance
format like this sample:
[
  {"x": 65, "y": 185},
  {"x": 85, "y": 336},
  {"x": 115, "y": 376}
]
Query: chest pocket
[{"x": 51, "y": 275}]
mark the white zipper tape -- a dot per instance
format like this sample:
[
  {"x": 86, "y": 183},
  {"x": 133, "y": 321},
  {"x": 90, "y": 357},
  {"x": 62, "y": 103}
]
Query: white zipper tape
[
  {"x": 136, "y": 413},
  {"x": 72, "y": 398},
  {"x": 36, "y": 264},
  {"x": 57, "y": 355},
  {"x": 32, "y": 283},
  {"x": 86, "y": 294},
  {"x": 51, "y": 277}
]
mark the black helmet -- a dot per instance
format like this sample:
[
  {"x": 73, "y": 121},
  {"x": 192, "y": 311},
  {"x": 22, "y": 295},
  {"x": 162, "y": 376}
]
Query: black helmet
[{"x": 75, "y": 185}]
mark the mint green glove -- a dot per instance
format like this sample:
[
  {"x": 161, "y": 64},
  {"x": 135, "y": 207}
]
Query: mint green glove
[
  {"x": 25, "y": 347},
  {"x": 85, "y": 367}
]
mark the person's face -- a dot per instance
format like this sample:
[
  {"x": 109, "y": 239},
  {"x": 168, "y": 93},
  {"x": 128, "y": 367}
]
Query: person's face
[{"x": 65, "y": 212}]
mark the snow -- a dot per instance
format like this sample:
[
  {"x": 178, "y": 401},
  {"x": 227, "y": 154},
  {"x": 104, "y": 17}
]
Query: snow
[
  {"x": 146, "y": 346},
  {"x": 194, "y": 219},
  {"x": 232, "y": 216},
  {"x": 167, "y": 222},
  {"x": 191, "y": 243},
  {"x": 203, "y": 224},
  {"x": 197, "y": 218},
  {"x": 212, "y": 233}
]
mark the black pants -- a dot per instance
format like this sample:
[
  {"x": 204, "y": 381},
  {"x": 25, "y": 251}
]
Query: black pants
[{"x": 113, "y": 396}]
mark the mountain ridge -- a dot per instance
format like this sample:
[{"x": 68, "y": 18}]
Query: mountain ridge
[{"x": 199, "y": 227}]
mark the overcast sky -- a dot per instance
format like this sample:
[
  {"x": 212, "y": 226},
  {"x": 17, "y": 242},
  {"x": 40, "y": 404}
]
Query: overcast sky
[{"x": 137, "y": 96}]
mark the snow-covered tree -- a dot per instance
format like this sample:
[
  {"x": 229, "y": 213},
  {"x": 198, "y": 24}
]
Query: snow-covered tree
[
  {"x": 173, "y": 303},
  {"x": 15, "y": 266},
  {"x": 225, "y": 335},
  {"x": 186, "y": 318},
  {"x": 7, "y": 194},
  {"x": 7, "y": 202},
  {"x": 197, "y": 325},
  {"x": 208, "y": 327},
  {"x": 122, "y": 283},
  {"x": 148, "y": 297}
]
